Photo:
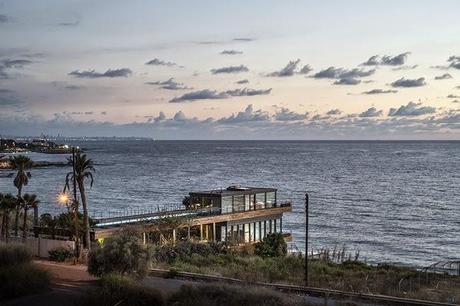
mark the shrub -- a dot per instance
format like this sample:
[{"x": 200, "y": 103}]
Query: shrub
[
  {"x": 60, "y": 254},
  {"x": 14, "y": 254},
  {"x": 225, "y": 295},
  {"x": 124, "y": 254},
  {"x": 273, "y": 245},
  {"x": 185, "y": 249},
  {"x": 22, "y": 279},
  {"x": 116, "y": 289}
]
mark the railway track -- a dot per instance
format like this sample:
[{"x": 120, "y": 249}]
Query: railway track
[{"x": 311, "y": 291}]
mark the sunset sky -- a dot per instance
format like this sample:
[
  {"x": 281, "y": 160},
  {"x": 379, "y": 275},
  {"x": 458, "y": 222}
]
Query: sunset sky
[{"x": 231, "y": 69}]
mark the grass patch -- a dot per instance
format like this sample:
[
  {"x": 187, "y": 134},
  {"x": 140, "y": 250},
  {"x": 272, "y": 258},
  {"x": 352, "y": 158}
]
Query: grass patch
[{"x": 14, "y": 254}]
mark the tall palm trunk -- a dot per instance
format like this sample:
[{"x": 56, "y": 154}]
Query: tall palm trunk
[
  {"x": 16, "y": 217},
  {"x": 7, "y": 225},
  {"x": 81, "y": 186},
  {"x": 24, "y": 232}
]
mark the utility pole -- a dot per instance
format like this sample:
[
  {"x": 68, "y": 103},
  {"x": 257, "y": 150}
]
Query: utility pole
[{"x": 306, "y": 239}]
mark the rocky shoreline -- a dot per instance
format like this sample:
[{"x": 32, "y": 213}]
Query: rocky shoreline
[{"x": 5, "y": 164}]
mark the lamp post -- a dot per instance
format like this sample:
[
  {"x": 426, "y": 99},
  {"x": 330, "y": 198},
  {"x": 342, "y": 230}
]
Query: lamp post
[{"x": 306, "y": 239}]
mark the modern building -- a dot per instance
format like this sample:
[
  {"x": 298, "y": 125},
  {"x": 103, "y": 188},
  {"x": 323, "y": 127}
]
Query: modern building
[{"x": 238, "y": 215}]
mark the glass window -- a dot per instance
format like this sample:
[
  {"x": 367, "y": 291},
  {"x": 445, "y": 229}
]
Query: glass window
[
  {"x": 246, "y": 233},
  {"x": 238, "y": 203},
  {"x": 252, "y": 201},
  {"x": 227, "y": 205},
  {"x": 251, "y": 229},
  {"x": 271, "y": 198},
  {"x": 247, "y": 201},
  {"x": 257, "y": 226},
  {"x": 260, "y": 200},
  {"x": 262, "y": 230},
  {"x": 223, "y": 233}
]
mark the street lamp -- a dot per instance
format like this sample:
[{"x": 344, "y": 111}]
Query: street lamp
[{"x": 306, "y": 238}]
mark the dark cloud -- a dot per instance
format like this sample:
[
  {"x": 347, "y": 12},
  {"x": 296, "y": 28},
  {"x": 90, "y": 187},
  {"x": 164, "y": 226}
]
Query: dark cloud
[
  {"x": 334, "y": 112},
  {"x": 387, "y": 60},
  {"x": 452, "y": 96},
  {"x": 231, "y": 52},
  {"x": 248, "y": 92},
  {"x": 3, "y": 74},
  {"x": 244, "y": 39},
  {"x": 17, "y": 63},
  {"x": 347, "y": 81},
  {"x": 379, "y": 91},
  {"x": 411, "y": 109},
  {"x": 158, "y": 62},
  {"x": 74, "y": 87},
  {"x": 340, "y": 73},
  {"x": 103, "y": 113},
  {"x": 207, "y": 94},
  {"x": 288, "y": 70},
  {"x": 204, "y": 94},
  {"x": 445, "y": 76},
  {"x": 245, "y": 81},
  {"x": 81, "y": 113},
  {"x": 306, "y": 69},
  {"x": 3, "y": 19},
  {"x": 284, "y": 114},
  {"x": 230, "y": 69},
  {"x": 371, "y": 112},
  {"x": 9, "y": 98},
  {"x": 249, "y": 115},
  {"x": 169, "y": 84},
  {"x": 403, "y": 82},
  {"x": 69, "y": 23},
  {"x": 92, "y": 74},
  {"x": 405, "y": 68}
]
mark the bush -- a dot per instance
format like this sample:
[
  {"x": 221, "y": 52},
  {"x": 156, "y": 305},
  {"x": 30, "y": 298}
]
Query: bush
[
  {"x": 60, "y": 254},
  {"x": 224, "y": 295},
  {"x": 14, "y": 254},
  {"x": 22, "y": 279},
  {"x": 185, "y": 249},
  {"x": 116, "y": 289},
  {"x": 273, "y": 245},
  {"x": 124, "y": 254}
]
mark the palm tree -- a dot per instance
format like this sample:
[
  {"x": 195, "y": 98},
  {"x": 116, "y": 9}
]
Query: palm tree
[
  {"x": 28, "y": 201},
  {"x": 7, "y": 203},
  {"x": 84, "y": 168},
  {"x": 22, "y": 164}
]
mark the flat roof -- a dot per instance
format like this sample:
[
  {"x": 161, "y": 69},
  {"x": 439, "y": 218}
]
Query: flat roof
[{"x": 230, "y": 192}]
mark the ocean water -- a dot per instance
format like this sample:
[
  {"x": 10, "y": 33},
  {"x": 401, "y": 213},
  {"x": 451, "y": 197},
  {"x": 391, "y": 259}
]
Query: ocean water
[{"x": 395, "y": 202}]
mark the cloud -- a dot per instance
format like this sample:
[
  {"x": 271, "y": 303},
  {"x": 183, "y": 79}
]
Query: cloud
[
  {"x": 379, "y": 91},
  {"x": 371, "y": 112},
  {"x": 204, "y": 94},
  {"x": 73, "y": 87},
  {"x": 451, "y": 96},
  {"x": 284, "y": 114},
  {"x": 245, "y": 81},
  {"x": 158, "y": 62},
  {"x": 288, "y": 70},
  {"x": 111, "y": 73},
  {"x": 334, "y": 112},
  {"x": 387, "y": 60},
  {"x": 231, "y": 52},
  {"x": 341, "y": 73},
  {"x": 405, "y": 68},
  {"x": 247, "y": 116},
  {"x": 411, "y": 109},
  {"x": 17, "y": 63},
  {"x": 244, "y": 39},
  {"x": 454, "y": 62},
  {"x": 9, "y": 98},
  {"x": 445, "y": 76},
  {"x": 69, "y": 23},
  {"x": 248, "y": 92},
  {"x": 230, "y": 69},
  {"x": 305, "y": 69},
  {"x": 403, "y": 82},
  {"x": 3, "y": 19},
  {"x": 347, "y": 81},
  {"x": 169, "y": 84},
  {"x": 207, "y": 94}
]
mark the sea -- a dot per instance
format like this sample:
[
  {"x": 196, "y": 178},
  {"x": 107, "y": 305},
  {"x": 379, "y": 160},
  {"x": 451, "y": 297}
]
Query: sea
[{"x": 392, "y": 201}]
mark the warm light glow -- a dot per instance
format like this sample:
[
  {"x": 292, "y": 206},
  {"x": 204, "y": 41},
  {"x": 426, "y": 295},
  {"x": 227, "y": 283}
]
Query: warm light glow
[{"x": 63, "y": 198}]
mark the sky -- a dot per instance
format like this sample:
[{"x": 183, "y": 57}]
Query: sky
[{"x": 231, "y": 69}]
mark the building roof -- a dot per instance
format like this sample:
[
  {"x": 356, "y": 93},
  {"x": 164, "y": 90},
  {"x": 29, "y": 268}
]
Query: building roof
[{"x": 233, "y": 190}]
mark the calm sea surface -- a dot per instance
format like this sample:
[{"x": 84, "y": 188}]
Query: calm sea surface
[{"x": 393, "y": 201}]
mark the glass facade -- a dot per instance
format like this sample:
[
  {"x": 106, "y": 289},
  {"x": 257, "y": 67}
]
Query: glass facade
[
  {"x": 270, "y": 199},
  {"x": 260, "y": 200},
  {"x": 238, "y": 203},
  {"x": 250, "y": 232},
  {"x": 227, "y": 204}
]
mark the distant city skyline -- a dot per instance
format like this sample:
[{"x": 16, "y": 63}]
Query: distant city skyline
[{"x": 231, "y": 70}]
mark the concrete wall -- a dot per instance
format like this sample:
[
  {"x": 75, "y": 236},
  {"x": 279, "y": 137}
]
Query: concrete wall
[{"x": 40, "y": 246}]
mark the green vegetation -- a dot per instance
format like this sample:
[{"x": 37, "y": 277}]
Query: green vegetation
[
  {"x": 60, "y": 254},
  {"x": 115, "y": 289},
  {"x": 349, "y": 275},
  {"x": 21, "y": 163},
  {"x": 7, "y": 204},
  {"x": 29, "y": 201},
  {"x": 124, "y": 254},
  {"x": 273, "y": 245},
  {"x": 18, "y": 276}
]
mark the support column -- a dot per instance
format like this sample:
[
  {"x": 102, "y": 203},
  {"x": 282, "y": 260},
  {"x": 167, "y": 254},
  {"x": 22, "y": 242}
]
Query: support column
[
  {"x": 214, "y": 232},
  {"x": 174, "y": 236},
  {"x": 144, "y": 240},
  {"x": 188, "y": 233},
  {"x": 201, "y": 232}
]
